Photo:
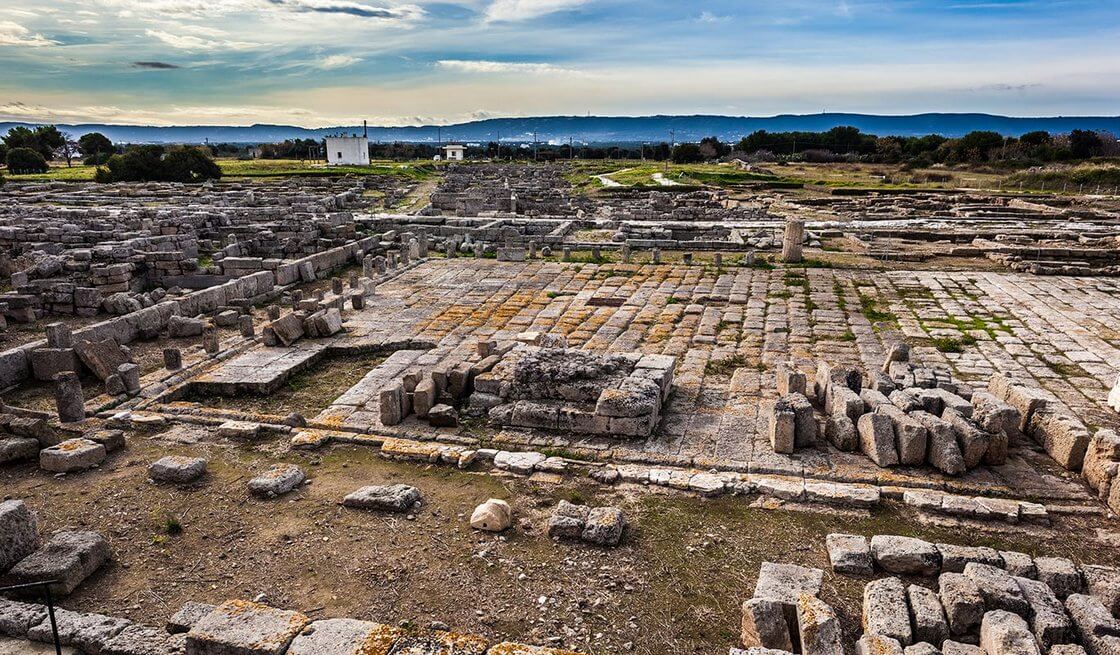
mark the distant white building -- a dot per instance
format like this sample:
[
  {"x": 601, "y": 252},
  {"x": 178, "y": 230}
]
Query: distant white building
[
  {"x": 454, "y": 152},
  {"x": 347, "y": 151}
]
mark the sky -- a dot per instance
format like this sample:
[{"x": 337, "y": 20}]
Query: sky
[{"x": 321, "y": 63}]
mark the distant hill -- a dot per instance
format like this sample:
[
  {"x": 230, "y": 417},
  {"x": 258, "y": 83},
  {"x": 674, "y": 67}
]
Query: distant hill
[{"x": 607, "y": 129}]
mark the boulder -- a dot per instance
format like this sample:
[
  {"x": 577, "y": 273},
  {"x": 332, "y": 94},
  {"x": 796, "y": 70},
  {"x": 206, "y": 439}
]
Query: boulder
[{"x": 492, "y": 516}]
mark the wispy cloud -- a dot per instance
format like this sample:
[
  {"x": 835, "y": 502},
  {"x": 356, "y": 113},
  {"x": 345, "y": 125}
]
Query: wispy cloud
[
  {"x": 337, "y": 61},
  {"x": 154, "y": 65},
  {"x": 515, "y": 10},
  {"x": 504, "y": 67},
  {"x": 12, "y": 33},
  {"x": 190, "y": 42},
  {"x": 346, "y": 7},
  {"x": 709, "y": 17}
]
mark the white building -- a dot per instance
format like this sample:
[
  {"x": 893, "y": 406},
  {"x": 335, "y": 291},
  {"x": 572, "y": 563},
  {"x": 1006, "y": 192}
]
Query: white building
[
  {"x": 454, "y": 152},
  {"x": 347, "y": 151}
]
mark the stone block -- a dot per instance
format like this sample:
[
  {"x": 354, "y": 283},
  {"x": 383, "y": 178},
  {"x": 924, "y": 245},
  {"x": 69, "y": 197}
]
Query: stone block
[
  {"x": 818, "y": 627},
  {"x": 954, "y": 558},
  {"x": 962, "y": 600},
  {"x": 876, "y": 439},
  {"x": 885, "y": 610},
  {"x": 16, "y": 449},
  {"x": 870, "y": 644},
  {"x": 604, "y": 526},
  {"x": 392, "y": 497},
  {"x": 926, "y": 615},
  {"x": 72, "y": 455},
  {"x": 764, "y": 625},
  {"x": 905, "y": 555},
  {"x": 19, "y": 533},
  {"x": 1103, "y": 583},
  {"x": 67, "y": 557},
  {"x": 1060, "y": 573},
  {"x": 849, "y": 553},
  {"x": 1005, "y": 633},
  {"x": 1048, "y": 620},
  {"x": 239, "y": 627},
  {"x": 277, "y": 480},
  {"x": 187, "y": 616},
  {"x": 177, "y": 469},
  {"x": 345, "y": 637},
  {"x": 999, "y": 589},
  {"x": 1018, "y": 564},
  {"x": 1064, "y": 437},
  {"x": 492, "y": 516}
]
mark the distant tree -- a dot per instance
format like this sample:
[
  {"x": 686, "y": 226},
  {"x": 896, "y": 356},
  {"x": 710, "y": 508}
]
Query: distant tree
[
  {"x": 3, "y": 152},
  {"x": 1085, "y": 144},
  {"x": 26, "y": 160},
  {"x": 687, "y": 153},
  {"x": 45, "y": 139},
  {"x": 69, "y": 149},
  {"x": 712, "y": 148},
  {"x": 155, "y": 164},
  {"x": 96, "y": 147},
  {"x": 978, "y": 145},
  {"x": 1038, "y": 138}
]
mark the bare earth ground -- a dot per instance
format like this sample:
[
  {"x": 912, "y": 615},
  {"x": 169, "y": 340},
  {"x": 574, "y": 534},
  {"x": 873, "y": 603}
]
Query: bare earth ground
[{"x": 674, "y": 586}]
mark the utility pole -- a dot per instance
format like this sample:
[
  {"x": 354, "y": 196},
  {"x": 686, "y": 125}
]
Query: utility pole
[
  {"x": 534, "y": 146},
  {"x": 672, "y": 144}
]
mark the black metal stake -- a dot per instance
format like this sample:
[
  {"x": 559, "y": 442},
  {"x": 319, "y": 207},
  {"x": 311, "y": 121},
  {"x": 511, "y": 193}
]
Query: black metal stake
[{"x": 54, "y": 625}]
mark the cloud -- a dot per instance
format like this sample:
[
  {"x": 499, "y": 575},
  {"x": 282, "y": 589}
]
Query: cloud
[
  {"x": 503, "y": 67},
  {"x": 16, "y": 34},
  {"x": 188, "y": 42},
  {"x": 349, "y": 8},
  {"x": 709, "y": 17},
  {"x": 154, "y": 65},
  {"x": 337, "y": 61},
  {"x": 514, "y": 10}
]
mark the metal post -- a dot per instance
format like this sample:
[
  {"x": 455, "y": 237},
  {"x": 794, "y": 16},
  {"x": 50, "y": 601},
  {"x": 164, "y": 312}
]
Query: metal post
[{"x": 54, "y": 625}]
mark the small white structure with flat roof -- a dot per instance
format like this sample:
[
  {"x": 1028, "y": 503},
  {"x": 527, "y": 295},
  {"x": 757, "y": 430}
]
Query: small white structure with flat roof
[
  {"x": 347, "y": 151},
  {"x": 454, "y": 152}
]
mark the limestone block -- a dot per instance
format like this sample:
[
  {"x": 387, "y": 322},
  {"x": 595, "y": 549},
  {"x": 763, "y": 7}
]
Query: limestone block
[
  {"x": 885, "y": 610},
  {"x": 782, "y": 427},
  {"x": 277, "y": 481},
  {"x": 1103, "y": 583},
  {"x": 849, "y": 553},
  {"x": 67, "y": 557},
  {"x": 971, "y": 440},
  {"x": 926, "y": 615},
  {"x": 245, "y": 628},
  {"x": 177, "y": 469},
  {"x": 19, "y": 533},
  {"x": 954, "y": 558},
  {"x": 905, "y": 555},
  {"x": 1048, "y": 620},
  {"x": 1005, "y": 633},
  {"x": 567, "y": 520},
  {"x": 15, "y": 449},
  {"x": 999, "y": 589},
  {"x": 764, "y": 625},
  {"x": 1102, "y": 460},
  {"x": 943, "y": 453},
  {"x": 870, "y": 644},
  {"x": 604, "y": 526},
  {"x": 393, "y": 497},
  {"x": 819, "y": 627},
  {"x": 187, "y": 616},
  {"x": 86, "y": 632},
  {"x": 962, "y": 600},
  {"x": 1060, "y": 573},
  {"x": 876, "y": 438},
  {"x": 72, "y": 455},
  {"x": 1064, "y": 437},
  {"x": 345, "y": 637},
  {"x": 1018, "y": 564}
]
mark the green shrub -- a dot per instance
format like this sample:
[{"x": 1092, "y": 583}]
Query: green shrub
[{"x": 26, "y": 160}]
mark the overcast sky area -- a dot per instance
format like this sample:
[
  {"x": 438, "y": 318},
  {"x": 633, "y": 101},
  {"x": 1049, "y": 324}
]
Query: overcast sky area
[{"x": 319, "y": 63}]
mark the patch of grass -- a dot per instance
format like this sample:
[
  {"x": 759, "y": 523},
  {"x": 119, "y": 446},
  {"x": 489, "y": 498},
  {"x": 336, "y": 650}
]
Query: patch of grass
[
  {"x": 760, "y": 263},
  {"x": 561, "y": 452},
  {"x": 869, "y": 306},
  {"x": 952, "y": 344},
  {"x": 726, "y": 366},
  {"x": 674, "y": 300},
  {"x": 795, "y": 279},
  {"x": 781, "y": 295},
  {"x": 1065, "y": 370}
]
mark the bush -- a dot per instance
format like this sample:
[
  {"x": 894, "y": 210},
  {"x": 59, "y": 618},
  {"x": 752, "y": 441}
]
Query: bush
[
  {"x": 155, "y": 164},
  {"x": 26, "y": 160}
]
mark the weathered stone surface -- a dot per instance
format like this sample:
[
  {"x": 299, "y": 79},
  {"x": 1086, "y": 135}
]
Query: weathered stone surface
[
  {"x": 1102, "y": 583},
  {"x": 905, "y": 555},
  {"x": 189, "y": 614},
  {"x": 1048, "y": 619},
  {"x": 492, "y": 516},
  {"x": 1060, "y": 573},
  {"x": 818, "y": 626},
  {"x": 277, "y": 480},
  {"x": 1064, "y": 437},
  {"x": 71, "y": 455},
  {"x": 782, "y": 427},
  {"x": 876, "y": 439},
  {"x": 392, "y": 497},
  {"x": 1018, "y": 564},
  {"x": 884, "y": 610},
  {"x": 765, "y": 624},
  {"x": 1091, "y": 619},
  {"x": 67, "y": 557},
  {"x": 511, "y": 648},
  {"x": 849, "y": 553},
  {"x": 910, "y": 436},
  {"x": 878, "y": 645},
  {"x": 998, "y": 588},
  {"x": 1005, "y": 633},
  {"x": 345, "y": 637},
  {"x": 86, "y": 632},
  {"x": 962, "y": 600},
  {"x": 17, "y": 618},
  {"x": 1067, "y": 649},
  {"x": 16, "y": 449},
  {"x": 1102, "y": 461},
  {"x": 239, "y": 627},
  {"x": 926, "y": 615},
  {"x": 567, "y": 520},
  {"x": 177, "y": 469},
  {"x": 971, "y": 440},
  {"x": 142, "y": 640},
  {"x": 247, "y": 430},
  {"x": 604, "y": 526},
  {"x": 786, "y": 583},
  {"x": 954, "y": 558},
  {"x": 958, "y": 648},
  {"x": 19, "y": 533},
  {"x": 942, "y": 453},
  {"x": 921, "y": 648},
  {"x": 103, "y": 357}
]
